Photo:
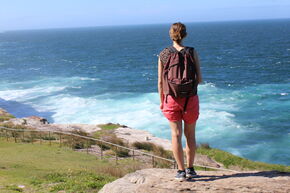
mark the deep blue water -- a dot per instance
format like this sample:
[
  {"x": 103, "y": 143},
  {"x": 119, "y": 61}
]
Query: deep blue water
[{"x": 109, "y": 74}]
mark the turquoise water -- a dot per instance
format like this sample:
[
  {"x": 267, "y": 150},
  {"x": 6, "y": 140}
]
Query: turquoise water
[{"x": 109, "y": 74}]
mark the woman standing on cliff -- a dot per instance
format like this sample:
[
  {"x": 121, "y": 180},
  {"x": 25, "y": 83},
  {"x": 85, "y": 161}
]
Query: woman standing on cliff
[{"x": 173, "y": 108}]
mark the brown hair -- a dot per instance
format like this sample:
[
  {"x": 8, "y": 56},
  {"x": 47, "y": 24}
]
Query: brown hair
[{"x": 177, "y": 32}]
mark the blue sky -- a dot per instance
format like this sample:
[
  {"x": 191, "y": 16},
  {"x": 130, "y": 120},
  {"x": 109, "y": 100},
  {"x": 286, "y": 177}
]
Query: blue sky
[{"x": 37, "y": 14}]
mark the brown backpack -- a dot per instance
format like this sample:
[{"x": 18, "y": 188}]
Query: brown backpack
[{"x": 179, "y": 74}]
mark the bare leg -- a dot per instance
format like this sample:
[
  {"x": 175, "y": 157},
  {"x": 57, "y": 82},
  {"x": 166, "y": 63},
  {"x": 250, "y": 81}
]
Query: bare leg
[
  {"x": 176, "y": 134},
  {"x": 189, "y": 132}
]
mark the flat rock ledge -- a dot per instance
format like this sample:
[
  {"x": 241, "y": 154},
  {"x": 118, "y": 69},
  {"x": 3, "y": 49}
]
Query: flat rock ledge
[{"x": 157, "y": 180}]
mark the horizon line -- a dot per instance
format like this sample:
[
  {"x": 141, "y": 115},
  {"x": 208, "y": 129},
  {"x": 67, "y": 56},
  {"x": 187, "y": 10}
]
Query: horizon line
[{"x": 121, "y": 25}]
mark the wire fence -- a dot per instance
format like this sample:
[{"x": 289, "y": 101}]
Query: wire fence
[{"x": 76, "y": 141}]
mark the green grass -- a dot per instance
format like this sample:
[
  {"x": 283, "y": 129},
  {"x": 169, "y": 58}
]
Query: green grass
[
  {"x": 109, "y": 126},
  {"x": 6, "y": 118},
  {"x": 44, "y": 168},
  {"x": 231, "y": 161}
]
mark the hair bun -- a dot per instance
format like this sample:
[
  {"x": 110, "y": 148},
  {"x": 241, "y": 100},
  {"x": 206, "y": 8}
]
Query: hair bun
[{"x": 177, "y": 32}]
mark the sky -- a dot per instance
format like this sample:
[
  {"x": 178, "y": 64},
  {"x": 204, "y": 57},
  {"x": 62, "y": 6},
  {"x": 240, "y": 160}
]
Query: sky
[{"x": 41, "y": 14}]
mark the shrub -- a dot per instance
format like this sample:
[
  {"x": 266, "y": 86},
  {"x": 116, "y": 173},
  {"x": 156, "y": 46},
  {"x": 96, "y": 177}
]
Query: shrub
[
  {"x": 103, "y": 146},
  {"x": 48, "y": 138},
  {"x": 160, "y": 151},
  {"x": 122, "y": 152},
  {"x": 119, "y": 151},
  {"x": 109, "y": 126},
  {"x": 78, "y": 142},
  {"x": 144, "y": 145},
  {"x": 204, "y": 145}
]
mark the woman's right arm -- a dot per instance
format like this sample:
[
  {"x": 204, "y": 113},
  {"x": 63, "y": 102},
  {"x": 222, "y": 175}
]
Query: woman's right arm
[
  {"x": 160, "y": 90},
  {"x": 199, "y": 76}
]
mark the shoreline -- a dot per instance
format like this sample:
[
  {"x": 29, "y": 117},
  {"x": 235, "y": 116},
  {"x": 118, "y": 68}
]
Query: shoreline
[{"x": 206, "y": 156}]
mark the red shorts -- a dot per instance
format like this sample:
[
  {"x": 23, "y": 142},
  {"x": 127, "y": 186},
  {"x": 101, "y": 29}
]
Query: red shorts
[{"x": 173, "y": 109}]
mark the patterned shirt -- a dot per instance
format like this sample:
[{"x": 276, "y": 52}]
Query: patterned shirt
[{"x": 164, "y": 55}]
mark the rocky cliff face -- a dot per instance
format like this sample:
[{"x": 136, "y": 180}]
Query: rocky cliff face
[{"x": 162, "y": 181}]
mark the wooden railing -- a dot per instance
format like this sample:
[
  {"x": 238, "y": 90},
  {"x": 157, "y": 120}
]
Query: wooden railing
[{"x": 14, "y": 133}]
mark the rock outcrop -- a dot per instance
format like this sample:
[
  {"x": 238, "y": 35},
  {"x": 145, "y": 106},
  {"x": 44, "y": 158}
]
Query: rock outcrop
[
  {"x": 156, "y": 180},
  {"x": 3, "y": 112},
  {"x": 41, "y": 123},
  {"x": 4, "y": 115}
]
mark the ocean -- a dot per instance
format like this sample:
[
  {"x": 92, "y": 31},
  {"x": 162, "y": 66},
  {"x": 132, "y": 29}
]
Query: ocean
[{"x": 109, "y": 74}]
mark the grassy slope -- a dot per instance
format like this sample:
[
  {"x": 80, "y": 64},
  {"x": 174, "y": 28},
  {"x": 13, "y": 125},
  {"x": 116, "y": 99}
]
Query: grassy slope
[
  {"x": 231, "y": 161},
  {"x": 44, "y": 168},
  {"x": 227, "y": 159}
]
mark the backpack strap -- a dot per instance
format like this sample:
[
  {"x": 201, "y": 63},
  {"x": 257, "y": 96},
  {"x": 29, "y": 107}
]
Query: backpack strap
[
  {"x": 189, "y": 50},
  {"x": 172, "y": 49}
]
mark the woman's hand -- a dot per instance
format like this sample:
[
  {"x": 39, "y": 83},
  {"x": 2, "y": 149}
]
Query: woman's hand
[{"x": 161, "y": 106}]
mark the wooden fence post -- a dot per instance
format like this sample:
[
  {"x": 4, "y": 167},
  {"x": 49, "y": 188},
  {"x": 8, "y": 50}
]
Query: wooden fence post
[
  {"x": 153, "y": 161},
  {"x": 59, "y": 139},
  {"x": 116, "y": 149},
  {"x": 31, "y": 134},
  {"x": 87, "y": 146},
  {"x": 49, "y": 137},
  {"x": 133, "y": 155},
  {"x": 72, "y": 142},
  {"x": 40, "y": 138},
  {"x": 6, "y": 134},
  {"x": 15, "y": 136},
  {"x": 23, "y": 133},
  {"x": 101, "y": 150}
]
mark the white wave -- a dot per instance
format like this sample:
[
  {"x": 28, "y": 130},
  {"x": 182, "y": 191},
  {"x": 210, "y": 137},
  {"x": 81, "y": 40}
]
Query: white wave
[
  {"x": 87, "y": 78},
  {"x": 141, "y": 111},
  {"x": 28, "y": 94},
  {"x": 138, "y": 111}
]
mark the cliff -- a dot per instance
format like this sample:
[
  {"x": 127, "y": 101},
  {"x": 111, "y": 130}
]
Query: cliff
[{"x": 263, "y": 177}]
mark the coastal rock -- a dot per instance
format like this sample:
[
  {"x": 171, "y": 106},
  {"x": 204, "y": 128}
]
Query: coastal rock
[
  {"x": 42, "y": 124},
  {"x": 4, "y": 115},
  {"x": 132, "y": 135},
  {"x": 89, "y": 128},
  {"x": 162, "y": 181},
  {"x": 32, "y": 121},
  {"x": 3, "y": 112}
]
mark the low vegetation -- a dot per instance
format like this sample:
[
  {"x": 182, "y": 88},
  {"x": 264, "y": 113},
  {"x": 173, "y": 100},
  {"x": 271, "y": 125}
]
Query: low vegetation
[
  {"x": 107, "y": 134},
  {"x": 110, "y": 126},
  {"x": 235, "y": 162},
  {"x": 26, "y": 167},
  {"x": 5, "y": 116}
]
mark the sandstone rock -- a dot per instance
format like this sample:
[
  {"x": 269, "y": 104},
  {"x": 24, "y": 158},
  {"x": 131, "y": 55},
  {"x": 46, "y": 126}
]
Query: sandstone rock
[
  {"x": 32, "y": 121},
  {"x": 141, "y": 136},
  {"x": 4, "y": 115},
  {"x": 3, "y": 112},
  {"x": 89, "y": 128},
  {"x": 162, "y": 181}
]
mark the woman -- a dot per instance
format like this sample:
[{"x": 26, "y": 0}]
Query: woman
[{"x": 172, "y": 108}]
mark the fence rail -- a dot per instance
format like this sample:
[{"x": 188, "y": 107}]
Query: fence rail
[{"x": 61, "y": 141}]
